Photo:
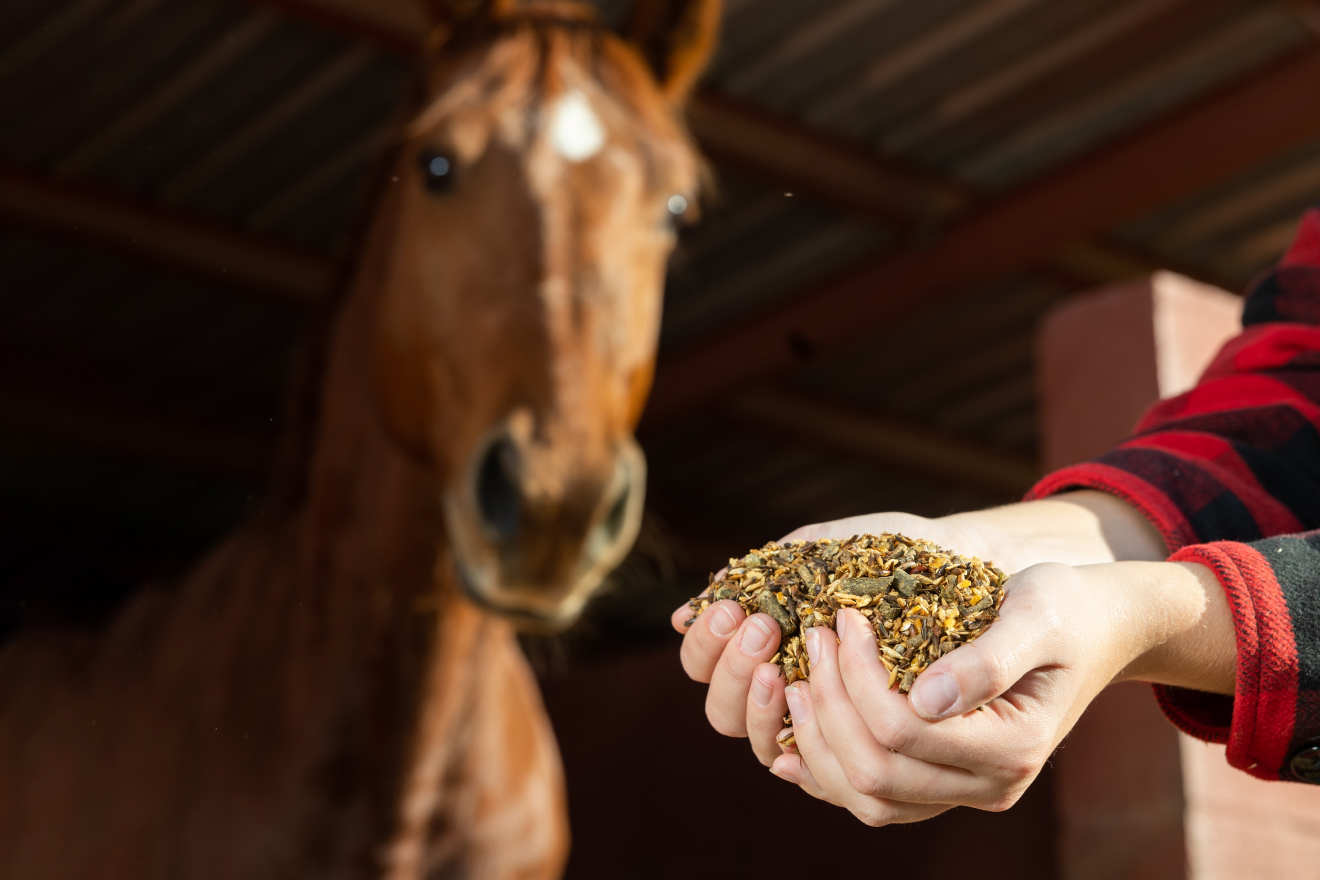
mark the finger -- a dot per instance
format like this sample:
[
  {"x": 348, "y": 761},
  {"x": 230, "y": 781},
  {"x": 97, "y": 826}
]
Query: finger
[
  {"x": 679, "y": 620},
  {"x": 970, "y": 741},
  {"x": 765, "y": 712},
  {"x": 705, "y": 639},
  {"x": 1000, "y": 746},
  {"x": 872, "y": 768},
  {"x": 828, "y": 776},
  {"x": 982, "y": 670},
  {"x": 756, "y": 642},
  {"x": 865, "y": 524},
  {"x": 793, "y": 769},
  {"x": 884, "y": 711}
]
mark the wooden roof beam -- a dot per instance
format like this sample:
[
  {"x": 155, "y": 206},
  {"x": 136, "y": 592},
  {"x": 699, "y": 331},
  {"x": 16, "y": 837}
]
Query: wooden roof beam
[
  {"x": 134, "y": 436},
  {"x": 182, "y": 243},
  {"x": 818, "y": 166},
  {"x": 892, "y": 442},
  {"x": 1169, "y": 159},
  {"x": 744, "y": 139}
]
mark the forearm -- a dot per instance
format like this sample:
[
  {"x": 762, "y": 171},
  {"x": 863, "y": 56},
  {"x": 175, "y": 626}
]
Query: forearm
[
  {"x": 1186, "y": 627},
  {"x": 1076, "y": 528}
]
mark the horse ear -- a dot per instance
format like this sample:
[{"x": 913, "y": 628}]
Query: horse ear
[{"x": 677, "y": 38}]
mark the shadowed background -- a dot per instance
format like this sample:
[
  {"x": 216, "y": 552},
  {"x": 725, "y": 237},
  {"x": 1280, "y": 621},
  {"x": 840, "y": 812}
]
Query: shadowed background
[{"x": 904, "y": 188}]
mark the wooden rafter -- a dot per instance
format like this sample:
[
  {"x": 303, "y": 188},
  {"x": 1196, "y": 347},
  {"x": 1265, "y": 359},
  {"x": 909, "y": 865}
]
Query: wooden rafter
[
  {"x": 736, "y": 135},
  {"x": 122, "y": 434},
  {"x": 773, "y": 149},
  {"x": 243, "y": 141},
  {"x": 181, "y": 243},
  {"x": 1169, "y": 159},
  {"x": 225, "y": 51},
  {"x": 818, "y": 166},
  {"x": 891, "y": 441}
]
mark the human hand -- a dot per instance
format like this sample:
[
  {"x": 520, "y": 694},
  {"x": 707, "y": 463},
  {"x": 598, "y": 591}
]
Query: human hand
[
  {"x": 1077, "y": 528},
  {"x": 981, "y": 721},
  {"x": 724, "y": 647}
]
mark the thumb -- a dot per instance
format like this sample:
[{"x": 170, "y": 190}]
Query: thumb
[{"x": 975, "y": 673}]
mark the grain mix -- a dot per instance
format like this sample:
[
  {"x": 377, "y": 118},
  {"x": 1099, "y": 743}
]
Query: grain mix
[{"x": 922, "y": 601}]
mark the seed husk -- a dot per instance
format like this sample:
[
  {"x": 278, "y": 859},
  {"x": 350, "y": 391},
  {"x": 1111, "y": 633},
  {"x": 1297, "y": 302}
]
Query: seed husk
[{"x": 922, "y": 601}]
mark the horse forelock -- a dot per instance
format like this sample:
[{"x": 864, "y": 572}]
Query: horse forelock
[{"x": 512, "y": 71}]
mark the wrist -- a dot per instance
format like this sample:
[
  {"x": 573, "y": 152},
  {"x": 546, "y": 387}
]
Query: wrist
[
  {"x": 1076, "y": 528},
  {"x": 1184, "y": 634}
]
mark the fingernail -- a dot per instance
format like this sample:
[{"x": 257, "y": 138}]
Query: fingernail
[
  {"x": 722, "y": 623},
  {"x": 934, "y": 695},
  {"x": 762, "y": 693},
  {"x": 755, "y": 637},
  {"x": 813, "y": 645},
  {"x": 839, "y": 620},
  {"x": 794, "y": 697}
]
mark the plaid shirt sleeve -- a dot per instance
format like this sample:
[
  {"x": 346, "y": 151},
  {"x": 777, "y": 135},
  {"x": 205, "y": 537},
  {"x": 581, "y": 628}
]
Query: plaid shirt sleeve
[{"x": 1230, "y": 474}]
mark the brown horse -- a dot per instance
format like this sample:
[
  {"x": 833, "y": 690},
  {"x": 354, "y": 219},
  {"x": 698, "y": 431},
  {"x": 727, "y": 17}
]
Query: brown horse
[{"x": 319, "y": 699}]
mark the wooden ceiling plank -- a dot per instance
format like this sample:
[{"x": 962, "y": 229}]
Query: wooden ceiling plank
[
  {"x": 224, "y": 51},
  {"x": 945, "y": 37},
  {"x": 285, "y": 202},
  {"x": 399, "y": 25},
  {"x": 241, "y": 142},
  {"x": 728, "y": 293},
  {"x": 723, "y": 227},
  {"x": 161, "y": 237},
  {"x": 134, "y": 436},
  {"x": 1001, "y": 84},
  {"x": 749, "y": 140},
  {"x": 891, "y": 441},
  {"x": 47, "y": 36},
  {"x": 1170, "y": 159},
  {"x": 967, "y": 413},
  {"x": 801, "y": 41},
  {"x": 1261, "y": 247},
  {"x": 817, "y": 165},
  {"x": 1260, "y": 199},
  {"x": 1233, "y": 38},
  {"x": 1009, "y": 354}
]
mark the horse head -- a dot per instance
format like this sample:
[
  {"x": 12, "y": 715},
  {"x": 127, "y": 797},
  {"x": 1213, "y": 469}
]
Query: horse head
[{"x": 535, "y": 199}]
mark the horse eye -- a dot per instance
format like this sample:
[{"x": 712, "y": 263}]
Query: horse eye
[
  {"x": 437, "y": 171},
  {"x": 676, "y": 208}
]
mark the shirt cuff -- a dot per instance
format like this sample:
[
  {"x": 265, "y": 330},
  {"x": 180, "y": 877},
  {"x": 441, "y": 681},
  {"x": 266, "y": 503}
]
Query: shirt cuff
[
  {"x": 1255, "y": 723},
  {"x": 1154, "y": 504}
]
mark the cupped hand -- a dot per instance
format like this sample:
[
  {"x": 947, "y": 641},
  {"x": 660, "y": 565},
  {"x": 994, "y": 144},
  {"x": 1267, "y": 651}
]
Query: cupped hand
[
  {"x": 1078, "y": 528},
  {"x": 981, "y": 721},
  {"x": 728, "y": 650}
]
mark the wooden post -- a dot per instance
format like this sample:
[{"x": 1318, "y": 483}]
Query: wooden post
[{"x": 1136, "y": 799}]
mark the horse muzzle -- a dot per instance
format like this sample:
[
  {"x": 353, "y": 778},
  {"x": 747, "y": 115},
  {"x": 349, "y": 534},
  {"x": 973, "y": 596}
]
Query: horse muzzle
[{"x": 535, "y": 534}]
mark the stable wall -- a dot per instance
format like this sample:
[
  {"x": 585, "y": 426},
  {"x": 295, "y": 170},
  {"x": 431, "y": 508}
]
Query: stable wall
[{"x": 1134, "y": 798}]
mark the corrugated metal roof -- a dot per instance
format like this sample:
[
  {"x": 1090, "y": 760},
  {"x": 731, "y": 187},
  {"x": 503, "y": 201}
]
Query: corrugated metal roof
[
  {"x": 991, "y": 91},
  {"x": 1241, "y": 226},
  {"x": 220, "y": 109},
  {"x": 267, "y": 123}
]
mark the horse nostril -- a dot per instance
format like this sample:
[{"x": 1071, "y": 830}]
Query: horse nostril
[
  {"x": 614, "y": 520},
  {"x": 497, "y": 491}
]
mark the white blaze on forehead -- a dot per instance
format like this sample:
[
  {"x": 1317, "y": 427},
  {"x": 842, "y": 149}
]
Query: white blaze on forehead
[{"x": 575, "y": 130}]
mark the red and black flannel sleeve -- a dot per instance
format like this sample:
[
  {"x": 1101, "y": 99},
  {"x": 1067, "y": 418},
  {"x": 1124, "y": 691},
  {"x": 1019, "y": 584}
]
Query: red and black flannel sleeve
[{"x": 1224, "y": 471}]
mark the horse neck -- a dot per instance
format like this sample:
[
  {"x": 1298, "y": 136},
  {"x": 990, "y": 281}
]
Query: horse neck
[
  {"x": 371, "y": 509},
  {"x": 379, "y": 618}
]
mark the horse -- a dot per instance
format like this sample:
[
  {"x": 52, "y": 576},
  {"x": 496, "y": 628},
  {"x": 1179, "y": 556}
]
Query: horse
[{"x": 337, "y": 691}]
